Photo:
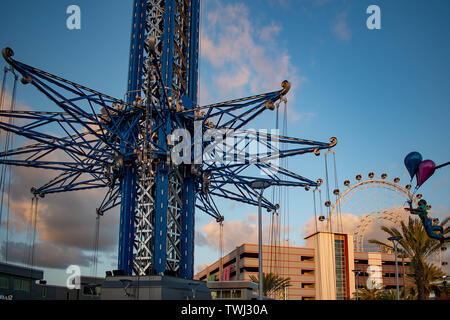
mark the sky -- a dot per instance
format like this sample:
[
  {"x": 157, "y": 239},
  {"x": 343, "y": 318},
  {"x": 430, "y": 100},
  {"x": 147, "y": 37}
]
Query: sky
[{"x": 383, "y": 93}]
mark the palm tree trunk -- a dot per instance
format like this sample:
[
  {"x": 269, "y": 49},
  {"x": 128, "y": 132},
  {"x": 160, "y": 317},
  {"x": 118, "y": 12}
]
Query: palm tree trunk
[{"x": 419, "y": 277}]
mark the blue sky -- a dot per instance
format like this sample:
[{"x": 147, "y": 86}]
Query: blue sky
[{"x": 382, "y": 93}]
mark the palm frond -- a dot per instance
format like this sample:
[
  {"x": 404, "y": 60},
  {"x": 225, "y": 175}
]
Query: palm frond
[
  {"x": 272, "y": 282},
  {"x": 416, "y": 245}
]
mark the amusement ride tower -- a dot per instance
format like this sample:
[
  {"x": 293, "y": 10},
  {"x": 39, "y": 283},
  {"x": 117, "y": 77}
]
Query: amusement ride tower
[{"x": 128, "y": 146}]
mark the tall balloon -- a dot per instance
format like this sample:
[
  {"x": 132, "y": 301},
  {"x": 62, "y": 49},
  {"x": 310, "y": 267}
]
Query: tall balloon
[
  {"x": 412, "y": 161},
  {"x": 424, "y": 171}
]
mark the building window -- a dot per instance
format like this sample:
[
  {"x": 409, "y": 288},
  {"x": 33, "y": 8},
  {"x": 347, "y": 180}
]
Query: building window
[
  {"x": 229, "y": 262},
  {"x": 307, "y": 285},
  {"x": 249, "y": 255},
  {"x": 360, "y": 261},
  {"x": 364, "y": 274},
  {"x": 216, "y": 270},
  {"x": 211, "y": 277},
  {"x": 250, "y": 269},
  {"x": 307, "y": 272},
  {"x": 236, "y": 294},
  {"x": 307, "y": 258},
  {"x": 389, "y": 275},
  {"x": 44, "y": 291},
  {"x": 4, "y": 283},
  {"x": 22, "y": 285},
  {"x": 388, "y": 287},
  {"x": 339, "y": 246},
  {"x": 226, "y": 294},
  {"x": 92, "y": 291}
]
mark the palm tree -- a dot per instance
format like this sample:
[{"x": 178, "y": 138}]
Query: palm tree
[
  {"x": 415, "y": 244},
  {"x": 390, "y": 294},
  {"x": 408, "y": 293},
  {"x": 272, "y": 283},
  {"x": 373, "y": 293},
  {"x": 432, "y": 275}
]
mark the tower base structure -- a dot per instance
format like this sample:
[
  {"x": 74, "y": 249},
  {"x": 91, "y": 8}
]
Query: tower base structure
[{"x": 154, "y": 288}]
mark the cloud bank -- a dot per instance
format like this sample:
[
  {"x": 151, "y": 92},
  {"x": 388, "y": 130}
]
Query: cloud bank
[
  {"x": 65, "y": 224},
  {"x": 242, "y": 57}
]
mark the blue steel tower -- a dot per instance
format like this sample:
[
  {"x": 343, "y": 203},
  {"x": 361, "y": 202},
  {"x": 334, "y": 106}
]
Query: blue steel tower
[
  {"x": 164, "y": 45},
  {"x": 126, "y": 147}
]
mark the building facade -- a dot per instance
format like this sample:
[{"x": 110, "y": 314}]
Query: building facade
[
  {"x": 22, "y": 283},
  {"x": 323, "y": 270}
]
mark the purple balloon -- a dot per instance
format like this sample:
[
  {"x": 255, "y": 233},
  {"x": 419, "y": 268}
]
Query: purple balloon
[{"x": 424, "y": 171}]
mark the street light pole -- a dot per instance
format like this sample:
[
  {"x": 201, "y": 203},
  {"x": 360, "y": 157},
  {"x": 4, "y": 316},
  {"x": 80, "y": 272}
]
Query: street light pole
[
  {"x": 260, "y": 263},
  {"x": 260, "y": 185},
  {"x": 395, "y": 240}
]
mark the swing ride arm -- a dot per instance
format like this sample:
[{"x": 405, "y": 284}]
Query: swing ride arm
[
  {"x": 91, "y": 150},
  {"x": 97, "y": 141}
]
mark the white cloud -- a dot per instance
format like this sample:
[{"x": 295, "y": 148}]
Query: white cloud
[
  {"x": 201, "y": 267},
  {"x": 340, "y": 27},
  {"x": 237, "y": 232},
  {"x": 346, "y": 223},
  {"x": 47, "y": 255},
  {"x": 63, "y": 219},
  {"x": 268, "y": 33},
  {"x": 244, "y": 58}
]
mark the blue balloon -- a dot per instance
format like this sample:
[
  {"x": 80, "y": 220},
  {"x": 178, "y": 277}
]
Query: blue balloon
[{"x": 412, "y": 161}]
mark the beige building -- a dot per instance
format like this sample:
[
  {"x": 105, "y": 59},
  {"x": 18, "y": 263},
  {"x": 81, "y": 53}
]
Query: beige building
[{"x": 323, "y": 270}]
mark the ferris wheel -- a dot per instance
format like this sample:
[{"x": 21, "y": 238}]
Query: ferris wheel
[{"x": 371, "y": 202}]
